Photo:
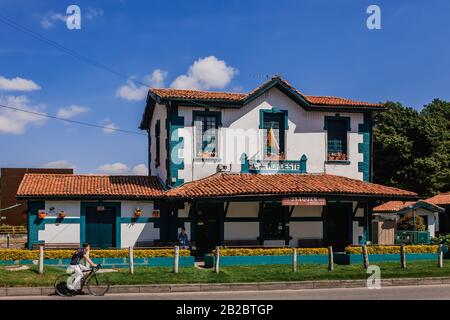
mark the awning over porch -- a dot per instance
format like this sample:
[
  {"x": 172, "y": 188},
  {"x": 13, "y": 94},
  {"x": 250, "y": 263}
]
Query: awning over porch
[
  {"x": 71, "y": 186},
  {"x": 254, "y": 185}
]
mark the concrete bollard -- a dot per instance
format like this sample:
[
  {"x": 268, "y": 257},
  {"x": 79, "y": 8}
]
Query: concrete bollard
[
  {"x": 176, "y": 259},
  {"x": 130, "y": 252},
  {"x": 365, "y": 256},
  {"x": 217, "y": 263},
  {"x": 403, "y": 256},
  {"x": 441, "y": 256},
  {"x": 330, "y": 259},
  {"x": 294, "y": 260},
  {"x": 41, "y": 259}
]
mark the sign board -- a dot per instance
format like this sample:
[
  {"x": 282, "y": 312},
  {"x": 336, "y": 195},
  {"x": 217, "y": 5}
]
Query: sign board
[
  {"x": 155, "y": 213},
  {"x": 274, "y": 166},
  {"x": 100, "y": 208},
  {"x": 304, "y": 201}
]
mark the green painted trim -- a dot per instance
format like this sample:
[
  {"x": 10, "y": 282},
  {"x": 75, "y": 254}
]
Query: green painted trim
[
  {"x": 217, "y": 114},
  {"x": 244, "y": 163},
  {"x": 336, "y": 117},
  {"x": 175, "y": 163},
  {"x": 273, "y": 110},
  {"x": 303, "y": 160},
  {"x": 365, "y": 129},
  {"x": 138, "y": 220},
  {"x": 34, "y": 223},
  {"x": 83, "y": 206}
]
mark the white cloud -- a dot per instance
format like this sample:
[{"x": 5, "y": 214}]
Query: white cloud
[
  {"x": 71, "y": 111},
  {"x": 63, "y": 164},
  {"x": 206, "y": 73},
  {"x": 132, "y": 92},
  {"x": 48, "y": 20},
  {"x": 16, "y": 122},
  {"x": 117, "y": 168},
  {"x": 18, "y": 84},
  {"x": 110, "y": 126},
  {"x": 51, "y": 18},
  {"x": 140, "y": 170}
]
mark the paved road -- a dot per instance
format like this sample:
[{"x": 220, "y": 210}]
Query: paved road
[{"x": 387, "y": 293}]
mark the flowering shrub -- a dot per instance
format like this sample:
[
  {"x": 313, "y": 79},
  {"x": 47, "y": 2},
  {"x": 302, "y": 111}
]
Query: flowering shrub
[
  {"x": 21, "y": 254},
  {"x": 392, "y": 249},
  {"x": 269, "y": 251}
]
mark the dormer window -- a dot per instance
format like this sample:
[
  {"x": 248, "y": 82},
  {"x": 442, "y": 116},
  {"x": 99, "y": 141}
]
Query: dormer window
[
  {"x": 337, "y": 149},
  {"x": 206, "y": 126},
  {"x": 274, "y": 136}
]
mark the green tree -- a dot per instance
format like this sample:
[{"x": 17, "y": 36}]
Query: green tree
[{"x": 412, "y": 149}]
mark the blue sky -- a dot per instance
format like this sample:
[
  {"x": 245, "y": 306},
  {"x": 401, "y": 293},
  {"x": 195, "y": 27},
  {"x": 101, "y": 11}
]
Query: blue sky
[{"x": 322, "y": 47}]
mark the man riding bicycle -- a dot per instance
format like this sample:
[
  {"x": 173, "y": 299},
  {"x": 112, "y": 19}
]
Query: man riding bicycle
[{"x": 75, "y": 267}]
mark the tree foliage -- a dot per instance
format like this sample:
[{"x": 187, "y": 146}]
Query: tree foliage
[
  {"x": 412, "y": 149},
  {"x": 411, "y": 222}
]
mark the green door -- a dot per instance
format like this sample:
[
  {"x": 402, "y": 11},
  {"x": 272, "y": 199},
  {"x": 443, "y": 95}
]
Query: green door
[{"x": 101, "y": 227}]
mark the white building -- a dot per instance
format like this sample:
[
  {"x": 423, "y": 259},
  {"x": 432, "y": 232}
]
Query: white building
[{"x": 271, "y": 167}]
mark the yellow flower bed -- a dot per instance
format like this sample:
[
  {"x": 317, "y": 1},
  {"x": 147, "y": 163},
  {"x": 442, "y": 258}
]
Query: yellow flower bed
[
  {"x": 269, "y": 251},
  {"x": 20, "y": 254},
  {"x": 393, "y": 249}
]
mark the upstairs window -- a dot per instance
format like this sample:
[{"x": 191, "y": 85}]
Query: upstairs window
[
  {"x": 337, "y": 140},
  {"x": 206, "y": 134},
  {"x": 274, "y": 140},
  {"x": 158, "y": 143}
]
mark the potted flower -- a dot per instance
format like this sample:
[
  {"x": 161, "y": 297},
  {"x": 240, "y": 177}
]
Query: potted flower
[
  {"x": 62, "y": 214},
  {"x": 41, "y": 214},
  {"x": 137, "y": 212}
]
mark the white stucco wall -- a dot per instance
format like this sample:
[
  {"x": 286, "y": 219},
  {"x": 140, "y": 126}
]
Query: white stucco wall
[
  {"x": 70, "y": 208},
  {"x": 240, "y": 133},
  {"x": 357, "y": 231},
  {"x": 133, "y": 232},
  {"x": 243, "y": 209},
  {"x": 60, "y": 233},
  {"x": 241, "y": 230},
  {"x": 127, "y": 208},
  {"x": 304, "y": 230}
]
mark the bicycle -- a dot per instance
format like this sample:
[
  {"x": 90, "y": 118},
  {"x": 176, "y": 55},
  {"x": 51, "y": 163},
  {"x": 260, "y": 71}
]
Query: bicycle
[{"x": 97, "y": 283}]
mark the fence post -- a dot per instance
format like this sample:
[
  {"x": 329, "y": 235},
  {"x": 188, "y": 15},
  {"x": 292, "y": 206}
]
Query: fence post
[
  {"x": 41, "y": 259},
  {"x": 330, "y": 259},
  {"x": 217, "y": 263},
  {"x": 294, "y": 260},
  {"x": 176, "y": 258},
  {"x": 441, "y": 256},
  {"x": 131, "y": 257},
  {"x": 365, "y": 256},
  {"x": 7, "y": 241},
  {"x": 403, "y": 256}
]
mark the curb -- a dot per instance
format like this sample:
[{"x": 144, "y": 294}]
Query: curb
[{"x": 216, "y": 287}]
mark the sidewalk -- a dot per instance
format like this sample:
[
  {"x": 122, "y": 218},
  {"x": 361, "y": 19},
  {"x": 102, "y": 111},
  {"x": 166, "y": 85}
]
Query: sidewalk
[{"x": 256, "y": 286}]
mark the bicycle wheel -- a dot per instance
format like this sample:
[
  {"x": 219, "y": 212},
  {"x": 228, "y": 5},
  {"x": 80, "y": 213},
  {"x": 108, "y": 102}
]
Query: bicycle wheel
[
  {"x": 98, "y": 284},
  {"x": 61, "y": 286}
]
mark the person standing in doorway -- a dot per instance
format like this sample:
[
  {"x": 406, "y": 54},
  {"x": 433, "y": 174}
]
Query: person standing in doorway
[{"x": 183, "y": 239}]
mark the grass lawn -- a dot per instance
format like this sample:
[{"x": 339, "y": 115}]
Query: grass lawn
[{"x": 158, "y": 275}]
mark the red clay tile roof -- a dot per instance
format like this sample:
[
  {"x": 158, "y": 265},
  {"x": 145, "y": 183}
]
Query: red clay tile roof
[
  {"x": 67, "y": 185},
  {"x": 237, "y": 184},
  {"x": 198, "y": 95},
  {"x": 165, "y": 93},
  {"x": 443, "y": 198},
  {"x": 393, "y": 206}
]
